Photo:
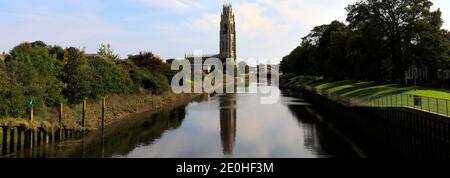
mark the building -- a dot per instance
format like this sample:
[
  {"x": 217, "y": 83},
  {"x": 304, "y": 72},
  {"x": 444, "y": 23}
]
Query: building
[
  {"x": 227, "y": 34},
  {"x": 227, "y": 41}
]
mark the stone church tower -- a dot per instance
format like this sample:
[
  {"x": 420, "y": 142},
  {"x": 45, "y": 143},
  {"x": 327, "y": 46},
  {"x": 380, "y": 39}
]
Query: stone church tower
[{"x": 227, "y": 34}]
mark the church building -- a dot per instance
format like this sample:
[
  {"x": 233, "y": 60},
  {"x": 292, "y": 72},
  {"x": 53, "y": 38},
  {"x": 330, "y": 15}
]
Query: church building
[{"x": 227, "y": 38}]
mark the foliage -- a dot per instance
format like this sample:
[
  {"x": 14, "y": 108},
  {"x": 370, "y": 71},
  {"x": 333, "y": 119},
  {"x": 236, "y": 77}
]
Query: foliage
[
  {"x": 152, "y": 63},
  {"x": 381, "y": 41},
  {"x": 106, "y": 52},
  {"x": 144, "y": 78},
  {"x": 32, "y": 74},
  {"x": 52, "y": 75}
]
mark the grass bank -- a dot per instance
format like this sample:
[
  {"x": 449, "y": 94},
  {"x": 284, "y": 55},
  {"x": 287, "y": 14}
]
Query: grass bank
[
  {"x": 373, "y": 94},
  {"x": 363, "y": 89},
  {"x": 118, "y": 107}
]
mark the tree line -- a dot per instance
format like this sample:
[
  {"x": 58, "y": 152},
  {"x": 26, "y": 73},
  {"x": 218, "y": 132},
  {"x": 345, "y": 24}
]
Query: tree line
[
  {"x": 380, "y": 41},
  {"x": 51, "y": 75}
]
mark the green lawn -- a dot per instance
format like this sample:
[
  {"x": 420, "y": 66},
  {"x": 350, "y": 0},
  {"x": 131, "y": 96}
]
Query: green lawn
[
  {"x": 385, "y": 95},
  {"x": 357, "y": 89}
]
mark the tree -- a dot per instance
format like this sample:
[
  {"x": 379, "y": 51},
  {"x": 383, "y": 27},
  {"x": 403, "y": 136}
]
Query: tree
[
  {"x": 78, "y": 76},
  {"x": 11, "y": 95},
  {"x": 57, "y": 52},
  {"x": 112, "y": 80},
  {"x": 34, "y": 68},
  {"x": 106, "y": 52},
  {"x": 332, "y": 49},
  {"x": 153, "y": 63},
  {"x": 396, "y": 33}
]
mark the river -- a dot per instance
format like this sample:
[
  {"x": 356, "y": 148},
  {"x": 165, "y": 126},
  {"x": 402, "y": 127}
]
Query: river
[{"x": 220, "y": 126}]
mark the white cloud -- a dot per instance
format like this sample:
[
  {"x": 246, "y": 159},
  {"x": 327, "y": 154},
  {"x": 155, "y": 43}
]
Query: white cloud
[{"x": 265, "y": 28}]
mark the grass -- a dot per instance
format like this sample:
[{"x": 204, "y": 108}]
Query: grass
[{"x": 384, "y": 95}]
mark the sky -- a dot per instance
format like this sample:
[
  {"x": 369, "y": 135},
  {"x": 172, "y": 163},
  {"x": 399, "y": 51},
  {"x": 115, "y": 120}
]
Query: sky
[{"x": 267, "y": 29}]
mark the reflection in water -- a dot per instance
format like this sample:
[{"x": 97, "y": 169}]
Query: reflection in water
[
  {"x": 228, "y": 122},
  {"x": 208, "y": 128}
]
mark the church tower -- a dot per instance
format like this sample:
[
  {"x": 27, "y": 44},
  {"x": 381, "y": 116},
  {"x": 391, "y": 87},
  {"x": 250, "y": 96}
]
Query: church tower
[{"x": 227, "y": 34}]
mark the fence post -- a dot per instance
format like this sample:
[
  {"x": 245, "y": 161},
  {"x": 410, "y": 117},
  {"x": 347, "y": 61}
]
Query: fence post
[
  {"x": 4, "y": 141},
  {"x": 390, "y": 101},
  {"x": 84, "y": 113},
  {"x": 429, "y": 108},
  {"x": 396, "y": 100},
  {"x": 11, "y": 140},
  {"x": 407, "y": 101},
  {"x": 60, "y": 114},
  {"x": 446, "y": 106},
  {"x": 401, "y": 100},
  {"x": 19, "y": 138},
  {"x": 437, "y": 105},
  {"x": 103, "y": 113}
]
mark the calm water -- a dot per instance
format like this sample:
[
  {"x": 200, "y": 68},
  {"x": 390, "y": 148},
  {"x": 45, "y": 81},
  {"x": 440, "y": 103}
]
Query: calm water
[{"x": 228, "y": 125}]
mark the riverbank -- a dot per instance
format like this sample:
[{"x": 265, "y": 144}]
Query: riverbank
[
  {"x": 360, "y": 89},
  {"x": 117, "y": 108},
  {"x": 406, "y": 129}
]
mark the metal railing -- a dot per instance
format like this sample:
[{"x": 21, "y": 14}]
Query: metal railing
[
  {"x": 428, "y": 104},
  {"x": 422, "y": 103}
]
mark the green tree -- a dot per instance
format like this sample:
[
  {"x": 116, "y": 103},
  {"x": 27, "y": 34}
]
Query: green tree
[
  {"x": 31, "y": 65},
  {"x": 333, "y": 50},
  {"x": 79, "y": 77},
  {"x": 106, "y": 51},
  {"x": 398, "y": 32},
  {"x": 57, "y": 52},
  {"x": 113, "y": 80},
  {"x": 153, "y": 63}
]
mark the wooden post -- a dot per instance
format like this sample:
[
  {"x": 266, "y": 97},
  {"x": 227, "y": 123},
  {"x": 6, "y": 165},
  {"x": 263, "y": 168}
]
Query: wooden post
[
  {"x": 60, "y": 114},
  {"x": 11, "y": 140},
  {"x": 5, "y": 140},
  {"x": 44, "y": 137},
  {"x": 103, "y": 113},
  {"x": 51, "y": 137},
  {"x": 26, "y": 142},
  {"x": 19, "y": 138},
  {"x": 33, "y": 138},
  {"x": 84, "y": 113},
  {"x": 38, "y": 136},
  {"x": 55, "y": 135}
]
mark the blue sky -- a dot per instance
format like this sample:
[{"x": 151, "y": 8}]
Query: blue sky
[{"x": 169, "y": 28}]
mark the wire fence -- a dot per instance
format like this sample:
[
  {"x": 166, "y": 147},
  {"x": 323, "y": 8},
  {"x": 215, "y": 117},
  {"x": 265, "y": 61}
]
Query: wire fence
[
  {"x": 422, "y": 103},
  {"x": 428, "y": 104}
]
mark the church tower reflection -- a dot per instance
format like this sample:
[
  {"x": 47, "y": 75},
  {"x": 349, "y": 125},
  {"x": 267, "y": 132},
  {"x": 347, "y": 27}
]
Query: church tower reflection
[{"x": 228, "y": 122}]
